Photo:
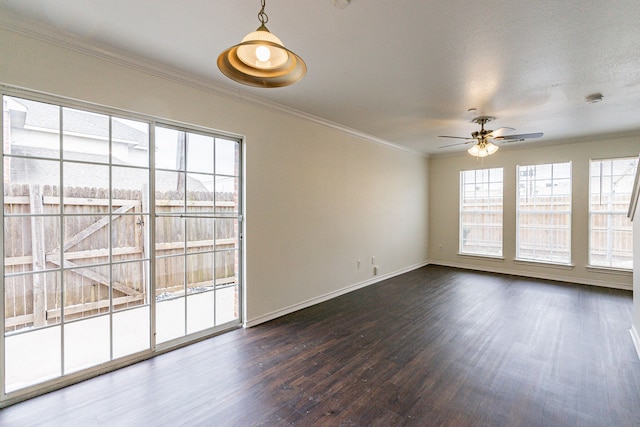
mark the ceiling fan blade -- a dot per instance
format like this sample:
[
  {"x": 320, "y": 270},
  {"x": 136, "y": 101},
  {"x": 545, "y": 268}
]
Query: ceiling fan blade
[
  {"x": 519, "y": 137},
  {"x": 496, "y": 133},
  {"x": 459, "y": 143},
  {"x": 456, "y": 137}
]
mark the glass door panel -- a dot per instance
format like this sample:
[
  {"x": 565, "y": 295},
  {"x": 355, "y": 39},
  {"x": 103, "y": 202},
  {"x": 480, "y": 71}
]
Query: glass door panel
[
  {"x": 201, "y": 302},
  {"x": 86, "y": 343},
  {"x": 170, "y": 297},
  {"x": 197, "y": 183},
  {"x": 131, "y": 331},
  {"x": 32, "y": 357},
  {"x": 75, "y": 231},
  {"x": 170, "y": 319},
  {"x": 227, "y": 304},
  {"x": 200, "y": 311}
]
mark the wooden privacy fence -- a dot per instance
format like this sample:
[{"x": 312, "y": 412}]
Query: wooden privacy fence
[
  {"x": 93, "y": 236},
  {"x": 611, "y": 233}
]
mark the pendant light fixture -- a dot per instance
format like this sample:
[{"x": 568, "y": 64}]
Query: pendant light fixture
[{"x": 261, "y": 59}]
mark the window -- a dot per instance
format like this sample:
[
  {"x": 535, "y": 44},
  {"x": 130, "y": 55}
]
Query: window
[
  {"x": 610, "y": 231},
  {"x": 92, "y": 257},
  {"x": 481, "y": 212},
  {"x": 544, "y": 213}
]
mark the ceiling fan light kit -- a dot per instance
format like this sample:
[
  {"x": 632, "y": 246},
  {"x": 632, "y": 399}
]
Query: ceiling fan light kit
[
  {"x": 483, "y": 149},
  {"x": 261, "y": 60}
]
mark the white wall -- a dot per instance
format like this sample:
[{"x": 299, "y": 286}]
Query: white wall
[
  {"x": 317, "y": 199},
  {"x": 444, "y": 190}
]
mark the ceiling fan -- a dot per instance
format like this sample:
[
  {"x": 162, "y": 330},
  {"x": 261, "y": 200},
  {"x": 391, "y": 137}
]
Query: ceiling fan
[{"x": 484, "y": 138}]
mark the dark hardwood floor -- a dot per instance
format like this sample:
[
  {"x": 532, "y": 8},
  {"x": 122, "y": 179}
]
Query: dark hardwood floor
[{"x": 436, "y": 346}]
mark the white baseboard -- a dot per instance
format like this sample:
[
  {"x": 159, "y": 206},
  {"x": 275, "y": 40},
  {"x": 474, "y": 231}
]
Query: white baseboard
[
  {"x": 534, "y": 275},
  {"x": 636, "y": 339},
  {"x": 322, "y": 298}
]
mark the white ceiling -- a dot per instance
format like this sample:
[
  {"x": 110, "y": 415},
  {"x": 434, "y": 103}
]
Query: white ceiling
[{"x": 403, "y": 71}]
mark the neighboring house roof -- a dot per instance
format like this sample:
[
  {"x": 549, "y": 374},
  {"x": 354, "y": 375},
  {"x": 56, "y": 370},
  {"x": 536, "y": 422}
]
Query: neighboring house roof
[
  {"x": 25, "y": 170},
  {"x": 38, "y": 116}
]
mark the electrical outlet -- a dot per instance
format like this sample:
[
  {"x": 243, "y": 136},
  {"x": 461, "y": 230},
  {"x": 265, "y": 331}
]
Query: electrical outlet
[
  {"x": 373, "y": 260},
  {"x": 358, "y": 264}
]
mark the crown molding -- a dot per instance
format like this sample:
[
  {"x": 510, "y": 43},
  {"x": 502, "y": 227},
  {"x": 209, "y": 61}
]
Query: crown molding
[{"x": 13, "y": 22}]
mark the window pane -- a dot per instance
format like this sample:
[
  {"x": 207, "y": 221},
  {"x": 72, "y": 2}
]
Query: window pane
[
  {"x": 611, "y": 233},
  {"x": 227, "y": 304},
  {"x": 481, "y": 212},
  {"x": 31, "y": 301},
  {"x": 200, "y": 192},
  {"x": 128, "y": 237},
  {"x": 131, "y": 331},
  {"x": 544, "y": 213},
  {"x": 200, "y": 232},
  {"x": 25, "y": 171},
  {"x": 85, "y": 136},
  {"x": 227, "y": 233},
  {"x": 86, "y": 343},
  {"x": 170, "y": 319},
  {"x": 200, "y": 272},
  {"x": 86, "y": 240},
  {"x": 130, "y": 284},
  {"x": 170, "y": 279},
  {"x": 227, "y": 195},
  {"x": 34, "y": 129},
  {"x": 130, "y": 142},
  {"x": 169, "y": 149},
  {"x": 227, "y": 157},
  {"x": 129, "y": 184},
  {"x": 32, "y": 357},
  {"x": 169, "y": 236},
  {"x": 22, "y": 235},
  {"x": 86, "y": 291},
  {"x": 85, "y": 181},
  {"x": 200, "y": 153},
  {"x": 226, "y": 267},
  {"x": 200, "y": 311},
  {"x": 171, "y": 186}
]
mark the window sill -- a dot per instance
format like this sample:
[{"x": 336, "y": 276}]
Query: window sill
[
  {"x": 482, "y": 256},
  {"x": 544, "y": 264},
  {"x": 610, "y": 270}
]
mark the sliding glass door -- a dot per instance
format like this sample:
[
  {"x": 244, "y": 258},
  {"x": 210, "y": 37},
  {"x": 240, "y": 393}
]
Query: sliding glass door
[{"x": 110, "y": 223}]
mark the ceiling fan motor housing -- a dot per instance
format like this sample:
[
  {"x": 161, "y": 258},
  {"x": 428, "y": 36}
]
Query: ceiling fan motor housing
[{"x": 482, "y": 133}]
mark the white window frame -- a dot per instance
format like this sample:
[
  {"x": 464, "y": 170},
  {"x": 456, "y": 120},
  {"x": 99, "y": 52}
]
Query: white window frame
[
  {"x": 481, "y": 180},
  {"x": 596, "y": 183},
  {"x": 530, "y": 188}
]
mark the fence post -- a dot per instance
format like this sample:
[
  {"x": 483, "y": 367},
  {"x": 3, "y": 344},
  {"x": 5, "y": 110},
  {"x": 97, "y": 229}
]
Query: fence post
[{"x": 36, "y": 209}]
